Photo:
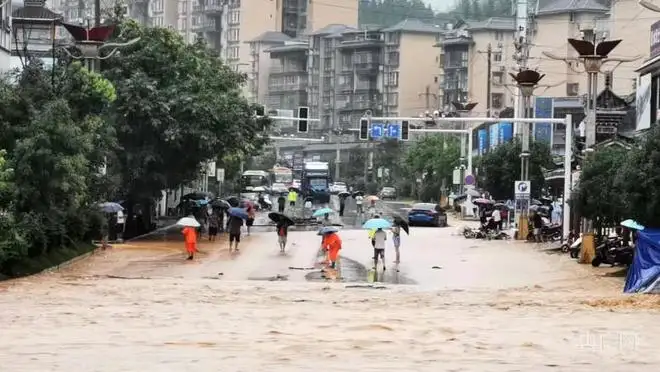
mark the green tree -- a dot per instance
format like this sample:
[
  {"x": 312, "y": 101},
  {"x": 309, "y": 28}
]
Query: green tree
[
  {"x": 599, "y": 192},
  {"x": 389, "y": 155},
  {"x": 500, "y": 168},
  {"x": 433, "y": 160},
  {"x": 465, "y": 9},
  {"x": 391, "y": 12},
  {"x": 177, "y": 106}
]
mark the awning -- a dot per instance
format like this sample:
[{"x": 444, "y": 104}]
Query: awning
[{"x": 649, "y": 65}]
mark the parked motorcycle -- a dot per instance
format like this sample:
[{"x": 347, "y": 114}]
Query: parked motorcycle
[
  {"x": 570, "y": 239},
  {"x": 265, "y": 203},
  {"x": 549, "y": 233},
  {"x": 613, "y": 252}
]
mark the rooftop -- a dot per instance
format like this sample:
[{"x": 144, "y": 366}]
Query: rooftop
[
  {"x": 549, "y": 7},
  {"x": 271, "y": 37},
  {"x": 492, "y": 24},
  {"x": 414, "y": 25}
]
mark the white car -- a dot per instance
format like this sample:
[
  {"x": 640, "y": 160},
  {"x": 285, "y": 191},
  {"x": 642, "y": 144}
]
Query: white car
[
  {"x": 338, "y": 187},
  {"x": 279, "y": 188}
]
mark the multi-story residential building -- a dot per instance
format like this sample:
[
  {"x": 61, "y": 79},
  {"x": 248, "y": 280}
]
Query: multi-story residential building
[
  {"x": 34, "y": 29},
  {"x": 464, "y": 67},
  {"x": 387, "y": 71},
  {"x": 261, "y": 49},
  {"x": 5, "y": 36}
]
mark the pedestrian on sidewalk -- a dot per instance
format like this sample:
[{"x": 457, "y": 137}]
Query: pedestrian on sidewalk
[
  {"x": 342, "y": 204},
  {"x": 234, "y": 226},
  {"x": 251, "y": 215},
  {"x": 379, "y": 247},
  {"x": 190, "y": 235},
  {"x": 281, "y": 203}
]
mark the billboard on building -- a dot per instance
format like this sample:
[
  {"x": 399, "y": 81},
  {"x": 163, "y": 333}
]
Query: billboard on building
[
  {"x": 493, "y": 135},
  {"x": 482, "y": 136},
  {"x": 643, "y": 102},
  {"x": 655, "y": 39},
  {"x": 505, "y": 133},
  {"x": 543, "y": 110}
]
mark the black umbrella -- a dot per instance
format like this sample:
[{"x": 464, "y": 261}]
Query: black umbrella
[
  {"x": 535, "y": 202},
  {"x": 197, "y": 195},
  {"x": 234, "y": 201},
  {"x": 220, "y": 203},
  {"x": 360, "y": 193},
  {"x": 294, "y": 189},
  {"x": 398, "y": 220},
  {"x": 279, "y": 217},
  {"x": 500, "y": 205},
  {"x": 344, "y": 194}
]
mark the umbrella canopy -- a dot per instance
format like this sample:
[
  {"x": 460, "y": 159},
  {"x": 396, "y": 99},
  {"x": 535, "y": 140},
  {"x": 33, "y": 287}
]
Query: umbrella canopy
[
  {"x": 535, "y": 202},
  {"x": 220, "y": 203},
  {"x": 201, "y": 202},
  {"x": 233, "y": 201},
  {"x": 372, "y": 197},
  {"x": 197, "y": 195},
  {"x": 294, "y": 189},
  {"x": 111, "y": 207},
  {"x": 473, "y": 193},
  {"x": 632, "y": 224},
  {"x": 500, "y": 205},
  {"x": 482, "y": 201},
  {"x": 188, "y": 221},
  {"x": 322, "y": 212},
  {"x": 398, "y": 220},
  {"x": 344, "y": 194},
  {"x": 239, "y": 213},
  {"x": 327, "y": 230},
  {"x": 376, "y": 223},
  {"x": 358, "y": 193},
  {"x": 279, "y": 217}
]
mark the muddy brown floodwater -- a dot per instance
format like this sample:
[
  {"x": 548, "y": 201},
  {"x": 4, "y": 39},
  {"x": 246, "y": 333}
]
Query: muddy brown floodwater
[{"x": 486, "y": 306}]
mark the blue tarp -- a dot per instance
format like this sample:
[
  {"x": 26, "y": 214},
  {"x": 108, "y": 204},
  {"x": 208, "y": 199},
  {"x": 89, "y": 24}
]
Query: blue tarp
[{"x": 644, "y": 274}]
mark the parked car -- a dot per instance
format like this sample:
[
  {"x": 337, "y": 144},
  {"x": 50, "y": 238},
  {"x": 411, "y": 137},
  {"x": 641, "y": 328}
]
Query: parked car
[
  {"x": 338, "y": 187},
  {"x": 428, "y": 214},
  {"x": 279, "y": 188},
  {"x": 387, "y": 193}
]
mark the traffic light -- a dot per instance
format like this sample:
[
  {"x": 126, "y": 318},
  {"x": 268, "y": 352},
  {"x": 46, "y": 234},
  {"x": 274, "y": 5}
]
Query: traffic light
[
  {"x": 404, "y": 130},
  {"x": 364, "y": 129},
  {"x": 303, "y": 113}
]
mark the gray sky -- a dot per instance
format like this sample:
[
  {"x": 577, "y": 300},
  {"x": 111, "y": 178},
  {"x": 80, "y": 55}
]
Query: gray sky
[{"x": 440, "y": 4}]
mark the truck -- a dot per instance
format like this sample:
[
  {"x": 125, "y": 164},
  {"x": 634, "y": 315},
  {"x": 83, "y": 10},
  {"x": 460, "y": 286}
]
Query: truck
[{"x": 315, "y": 181}]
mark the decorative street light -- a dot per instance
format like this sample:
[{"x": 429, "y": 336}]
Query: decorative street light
[
  {"x": 463, "y": 109},
  {"x": 90, "y": 42}
]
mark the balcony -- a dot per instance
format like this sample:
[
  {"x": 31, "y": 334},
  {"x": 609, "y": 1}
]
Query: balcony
[
  {"x": 288, "y": 70},
  {"x": 206, "y": 25},
  {"x": 455, "y": 65},
  {"x": 366, "y": 68},
  {"x": 214, "y": 7},
  {"x": 288, "y": 87}
]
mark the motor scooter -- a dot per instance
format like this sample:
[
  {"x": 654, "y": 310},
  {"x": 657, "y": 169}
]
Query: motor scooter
[
  {"x": 265, "y": 203},
  {"x": 574, "y": 249}
]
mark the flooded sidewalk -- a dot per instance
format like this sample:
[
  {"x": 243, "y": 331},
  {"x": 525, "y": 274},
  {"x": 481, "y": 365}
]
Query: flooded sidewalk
[{"x": 475, "y": 306}]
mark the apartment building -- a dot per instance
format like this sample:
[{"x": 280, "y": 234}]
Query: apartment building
[
  {"x": 464, "y": 65},
  {"x": 342, "y": 72},
  {"x": 5, "y": 37}
]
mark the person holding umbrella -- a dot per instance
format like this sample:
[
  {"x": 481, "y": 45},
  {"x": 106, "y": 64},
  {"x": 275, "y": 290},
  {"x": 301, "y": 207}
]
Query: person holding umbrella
[
  {"x": 189, "y": 232},
  {"x": 342, "y": 202},
  {"x": 282, "y": 228},
  {"x": 251, "y": 214},
  {"x": 331, "y": 244},
  {"x": 281, "y": 203},
  {"x": 379, "y": 238},
  {"x": 234, "y": 225}
]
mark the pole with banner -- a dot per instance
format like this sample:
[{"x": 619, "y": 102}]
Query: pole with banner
[
  {"x": 523, "y": 193},
  {"x": 220, "y": 177}
]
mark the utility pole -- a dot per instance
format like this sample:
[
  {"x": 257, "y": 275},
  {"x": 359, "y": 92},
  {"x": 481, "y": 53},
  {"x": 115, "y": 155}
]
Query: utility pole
[
  {"x": 489, "y": 75},
  {"x": 427, "y": 96},
  {"x": 521, "y": 56},
  {"x": 97, "y": 13}
]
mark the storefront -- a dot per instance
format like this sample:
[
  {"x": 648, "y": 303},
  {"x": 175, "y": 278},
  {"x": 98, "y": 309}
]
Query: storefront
[{"x": 648, "y": 84}]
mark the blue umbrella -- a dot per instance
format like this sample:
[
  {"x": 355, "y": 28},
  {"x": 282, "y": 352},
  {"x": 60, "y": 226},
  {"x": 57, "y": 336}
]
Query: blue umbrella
[
  {"x": 322, "y": 212},
  {"x": 327, "y": 230},
  {"x": 632, "y": 224},
  {"x": 202, "y": 202},
  {"x": 376, "y": 223},
  {"x": 111, "y": 207},
  {"x": 238, "y": 212}
]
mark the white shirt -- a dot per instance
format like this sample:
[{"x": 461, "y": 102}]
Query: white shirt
[
  {"x": 380, "y": 238},
  {"x": 120, "y": 218},
  {"x": 496, "y": 215},
  {"x": 358, "y": 200},
  {"x": 308, "y": 205}
]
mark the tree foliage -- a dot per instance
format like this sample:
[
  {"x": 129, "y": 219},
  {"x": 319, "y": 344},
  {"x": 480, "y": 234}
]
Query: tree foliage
[
  {"x": 158, "y": 110},
  {"x": 391, "y": 12},
  {"x": 500, "y": 168},
  {"x": 433, "y": 159}
]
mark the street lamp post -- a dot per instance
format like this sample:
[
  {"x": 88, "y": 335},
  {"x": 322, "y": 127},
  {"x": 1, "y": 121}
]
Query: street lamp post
[
  {"x": 463, "y": 109},
  {"x": 90, "y": 42},
  {"x": 527, "y": 81}
]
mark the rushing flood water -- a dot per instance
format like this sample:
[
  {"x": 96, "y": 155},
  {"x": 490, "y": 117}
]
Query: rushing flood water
[{"x": 477, "y": 306}]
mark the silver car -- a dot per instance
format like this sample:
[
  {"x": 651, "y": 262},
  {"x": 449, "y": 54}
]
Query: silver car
[{"x": 387, "y": 193}]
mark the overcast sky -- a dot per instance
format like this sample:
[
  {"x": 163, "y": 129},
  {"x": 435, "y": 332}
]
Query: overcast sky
[{"x": 440, "y": 4}]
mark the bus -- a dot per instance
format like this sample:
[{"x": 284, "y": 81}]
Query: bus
[
  {"x": 315, "y": 181},
  {"x": 282, "y": 175},
  {"x": 255, "y": 178}
]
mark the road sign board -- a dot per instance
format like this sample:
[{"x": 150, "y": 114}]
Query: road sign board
[
  {"x": 469, "y": 179},
  {"x": 220, "y": 174},
  {"x": 394, "y": 131},
  {"x": 522, "y": 189},
  {"x": 377, "y": 130}
]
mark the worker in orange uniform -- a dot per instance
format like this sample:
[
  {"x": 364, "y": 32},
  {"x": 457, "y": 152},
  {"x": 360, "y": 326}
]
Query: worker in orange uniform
[
  {"x": 332, "y": 244},
  {"x": 190, "y": 234}
]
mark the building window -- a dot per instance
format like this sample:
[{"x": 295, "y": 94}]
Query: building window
[
  {"x": 497, "y": 57},
  {"x": 498, "y": 77},
  {"x": 393, "y": 58},
  {"x": 158, "y": 21},
  {"x": 234, "y": 17},
  {"x": 572, "y": 89},
  {"x": 393, "y": 38},
  {"x": 233, "y": 34},
  {"x": 393, "y": 79},
  {"x": 233, "y": 52},
  {"x": 499, "y": 35},
  {"x": 157, "y": 5},
  {"x": 392, "y": 99},
  {"x": 497, "y": 100}
]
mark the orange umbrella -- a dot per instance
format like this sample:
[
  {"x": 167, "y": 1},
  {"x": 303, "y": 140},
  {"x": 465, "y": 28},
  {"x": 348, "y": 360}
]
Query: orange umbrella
[{"x": 372, "y": 197}]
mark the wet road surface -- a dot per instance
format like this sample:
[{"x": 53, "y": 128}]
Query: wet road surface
[{"x": 474, "y": 306}]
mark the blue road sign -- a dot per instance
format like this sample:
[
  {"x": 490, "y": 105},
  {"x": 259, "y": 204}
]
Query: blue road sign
[
  {"x": 377, "y": 130},
  {"x": 394, "y": 131}
]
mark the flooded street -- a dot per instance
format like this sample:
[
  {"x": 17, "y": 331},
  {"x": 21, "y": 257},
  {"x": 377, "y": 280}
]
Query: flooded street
[{"x": 470, "y": 306}]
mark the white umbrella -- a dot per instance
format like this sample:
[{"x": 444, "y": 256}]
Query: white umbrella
[{"x": 188, "y": 221}]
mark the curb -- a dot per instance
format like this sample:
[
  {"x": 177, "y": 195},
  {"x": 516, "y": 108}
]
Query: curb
[{"x": 69, "y": 262}]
